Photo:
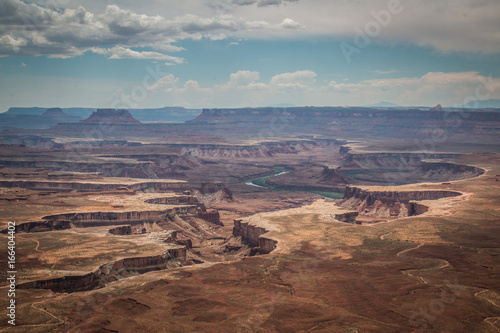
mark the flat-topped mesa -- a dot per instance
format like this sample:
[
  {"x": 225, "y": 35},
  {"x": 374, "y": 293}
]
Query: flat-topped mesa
[
  {"x": 55, "y": 112},
  {"x": 325, "y": 115},
  {"x": 253, "y": 236},
  {"x": 112, "y": 117}
]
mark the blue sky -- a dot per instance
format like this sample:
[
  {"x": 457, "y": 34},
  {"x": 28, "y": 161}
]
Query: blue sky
[{"x": 237, "y": 53}]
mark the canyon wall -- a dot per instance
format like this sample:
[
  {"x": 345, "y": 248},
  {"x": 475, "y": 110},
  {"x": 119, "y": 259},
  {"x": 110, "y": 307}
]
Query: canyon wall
[
  {"x": 109, "y": 218},
  {"x": 110, "y": 272},
  {"x": 390, "y": 204},
  {"x": 91, "y": 187},
  {"x": 176, "y": 200},
  {"x": 371, "y": 196},
  {"x": 253, "y": 235},
  {"x": 42, "y": 226}
]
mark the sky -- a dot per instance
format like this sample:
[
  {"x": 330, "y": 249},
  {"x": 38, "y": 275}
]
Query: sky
[{"x": 247, "y": 53}]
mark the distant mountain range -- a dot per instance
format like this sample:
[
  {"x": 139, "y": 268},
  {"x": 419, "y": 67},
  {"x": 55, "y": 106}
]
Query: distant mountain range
[
  {"x": 37, "y": 117},
  {"x": 486, "y": 104},
  {"x": 383, "y": 104},
  {"x": 282, "y": 105}
]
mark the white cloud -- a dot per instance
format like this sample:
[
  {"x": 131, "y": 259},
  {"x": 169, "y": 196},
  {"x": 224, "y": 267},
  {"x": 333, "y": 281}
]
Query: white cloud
[
  {"x": 119, "y": 52},
  {"x": 387, "y": 71},
  {"x": 429, "y": 89},
  {"x": 298, "y": 79},
  {"x": 167, "y": 83},
  {"x": 288, "y": 23}
]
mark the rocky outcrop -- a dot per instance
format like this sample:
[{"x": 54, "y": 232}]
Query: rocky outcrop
[
  {"x": 111, "y": 116},
  {"x": 390, "y": 204},
  {"x": 349, "y": 217},
  {"x": 214, "y": 187},
  {"x": 121, "y": 231},
  {"x": 253, "y": 236},
  {"x": 333, "y": 175},
  {"x": 211, "y": 215},
  {"x": 110, "y": 272}
]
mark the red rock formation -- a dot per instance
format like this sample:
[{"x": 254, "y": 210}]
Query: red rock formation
[{"x": 214, "y": 187}]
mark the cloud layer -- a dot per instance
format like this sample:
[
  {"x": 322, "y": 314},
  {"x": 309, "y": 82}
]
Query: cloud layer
[
  {"x": 151, "y": 28},
  {"x": 32, "y": 30}
]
